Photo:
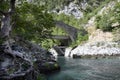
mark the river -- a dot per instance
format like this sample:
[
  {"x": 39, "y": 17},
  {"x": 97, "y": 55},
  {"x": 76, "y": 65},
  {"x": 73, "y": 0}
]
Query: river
[{"x": 87, "y": 69}]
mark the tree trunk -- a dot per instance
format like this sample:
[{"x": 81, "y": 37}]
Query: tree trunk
[
  {"x": 12, "y": 68},
  {"x": 5, "y": 31}
]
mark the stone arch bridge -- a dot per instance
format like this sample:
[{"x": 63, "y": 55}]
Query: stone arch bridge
[{"x": 65, "y": 40}]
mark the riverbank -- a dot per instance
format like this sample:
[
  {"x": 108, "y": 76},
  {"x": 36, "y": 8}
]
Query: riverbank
[{"x": 96, "y": 50}]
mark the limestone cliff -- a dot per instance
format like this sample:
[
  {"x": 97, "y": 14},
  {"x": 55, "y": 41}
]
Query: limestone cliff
[{"x": 100, "y": 42}]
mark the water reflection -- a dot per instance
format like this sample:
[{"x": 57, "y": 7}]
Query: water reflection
[{"x": 87, "y": 69}]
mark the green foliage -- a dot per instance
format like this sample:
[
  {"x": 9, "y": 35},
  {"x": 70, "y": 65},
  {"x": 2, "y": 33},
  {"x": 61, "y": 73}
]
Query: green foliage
[
  {"x": 54, "y": 4},
  {"x": 58, "y": 31},
  {"x": 41, "y": 77},
  {"x": 4, "y": 6},
  {"x": 88, "y": 12},
  {"x": 116, "y": 12},
  {"x": 92, "y": 9},
  {"x": 103, "y": 22},
  {"x": 70, "y": 20},
  {"x": 82, "y": 36},
  {"x": 116, "y": 30},
  {"x": 80, "y": 39},
  {"x": 48, "y": 43},
  {"x": 32, "y": 22},
  {"x": 116, "y": 33}
]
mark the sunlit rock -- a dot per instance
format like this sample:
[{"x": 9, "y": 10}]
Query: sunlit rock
[
  {"x": 53, "y": 52},
  {"x": 71, "y": 9},
  {"x": 67, "y": 52},
  {"x": 94, "y": 49}
]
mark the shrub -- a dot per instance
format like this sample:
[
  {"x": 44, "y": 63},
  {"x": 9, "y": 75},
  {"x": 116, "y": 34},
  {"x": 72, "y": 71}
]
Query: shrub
[
  {"x": 116, "y": 33},
  {"x": 104, "y": 23},
  {"x": 80, "y": 39}
]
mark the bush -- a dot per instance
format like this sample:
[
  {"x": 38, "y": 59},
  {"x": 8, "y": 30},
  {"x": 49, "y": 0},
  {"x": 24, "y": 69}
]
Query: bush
[
  {"x": 104, "y": 23},
  {"x": 48, "y": 43},
  {"x": 116, "y": 33},
  {"x": 116, "y": 12},
  {"x": 80, "y": 39}
]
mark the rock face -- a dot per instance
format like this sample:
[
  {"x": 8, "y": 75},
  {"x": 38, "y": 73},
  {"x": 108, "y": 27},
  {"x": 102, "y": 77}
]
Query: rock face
[
  {"x": 71, "y": 9},
  {"x": 100, "y": 36},
  {"x": 34, "y": 61},
  {"x": 97, "y": 48},
  {"x": 47, "y": 67},
  {"x": 99, "y": 42}
]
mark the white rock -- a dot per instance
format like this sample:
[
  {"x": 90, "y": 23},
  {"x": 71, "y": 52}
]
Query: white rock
[
  {"x": 53, "y": 52},
  {"x": 67, "y": 52},
  {"x": 104, "y": 48},
  {"x": 71, "y": 9}
]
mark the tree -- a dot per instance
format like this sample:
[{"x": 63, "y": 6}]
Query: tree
[
  {"x": 6, "y": 25},
  {"x": 33, "y": 22},
  {"x": 27, "y": 21}
]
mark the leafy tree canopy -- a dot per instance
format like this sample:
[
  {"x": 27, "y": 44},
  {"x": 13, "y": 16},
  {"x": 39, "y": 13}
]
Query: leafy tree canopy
[{"x": 32, "y": 22}]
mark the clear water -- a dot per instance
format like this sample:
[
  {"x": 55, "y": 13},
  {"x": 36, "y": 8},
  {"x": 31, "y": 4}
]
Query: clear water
[{"x": 87, "y": 69}]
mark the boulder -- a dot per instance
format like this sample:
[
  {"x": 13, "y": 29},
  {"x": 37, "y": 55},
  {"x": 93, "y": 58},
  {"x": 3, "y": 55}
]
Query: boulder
[
  {"x": 29, "y": 66},
  {"x": 15, "y": 69},
  {"x": 46, "y": 67}
]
